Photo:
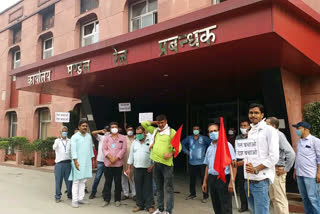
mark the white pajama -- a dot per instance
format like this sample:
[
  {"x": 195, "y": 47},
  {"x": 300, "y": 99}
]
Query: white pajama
[
  {"x": 78, "y": 187},
  {"x": 125, "y": 186}
]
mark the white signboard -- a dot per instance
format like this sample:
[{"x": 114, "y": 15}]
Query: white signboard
[
  {"x": 62, "y": 117},
  {"x": 145, "y": 117},
  {"x": 124, "y": 107},
  {"x": 246, "y": 148}
]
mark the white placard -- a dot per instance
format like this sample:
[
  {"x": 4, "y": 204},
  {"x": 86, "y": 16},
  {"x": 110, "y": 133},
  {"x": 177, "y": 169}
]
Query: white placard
[
  {"x": 62, "y": 117},
  {"x": 90, "y": 117},
  {"x": 282, "y": 124},
  {"x": 246, "y": 148},
  {"x": 124, "y": 107},
  {"x": 145, "y": 117}
]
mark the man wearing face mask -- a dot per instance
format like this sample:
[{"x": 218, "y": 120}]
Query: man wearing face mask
[
  {"x": 114, "y": 148},
  {"x": 162, "y": 153},
  {"x": 62, "y": 168},
  {"x": 99, "y": 135},
  {"x": 140, "y": 158},
  {"x": 244, "y": 129},
  {"x": 126, "y": 182},
  {"x": 307, "y": 168},
  {"x": 220, "y": 192},
  {"x": 232, "y": 136},
  {"x": 195, "y": 147}
]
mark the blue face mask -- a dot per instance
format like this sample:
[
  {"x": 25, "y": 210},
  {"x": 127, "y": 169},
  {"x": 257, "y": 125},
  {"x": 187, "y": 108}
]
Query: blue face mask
[
  {"x": 214, "y": 135},
  {"x": 196, "y": 132},
  {"x": 64, "y": 134},
  {"x": 299, "y": 133}
]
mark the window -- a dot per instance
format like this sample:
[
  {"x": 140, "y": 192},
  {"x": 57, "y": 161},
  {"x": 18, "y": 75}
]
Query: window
[
  {"x": 217, "y": 1},
  {"x": 90, "y": 33},
  {"x": 16, "y": 59},
  {"x": 44, "y": 123},
  {"x": 48, "y": 18},
  {"x": 16, "y": 34},
  {"x": 13, "y": 124},
  {"x": 143, "y": 14},
  {"x": 87, "y": 5},
  {"x": 47, "y": 48}
]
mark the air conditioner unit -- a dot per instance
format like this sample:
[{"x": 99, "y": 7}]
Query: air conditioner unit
[{"x": 47, "y": 54}]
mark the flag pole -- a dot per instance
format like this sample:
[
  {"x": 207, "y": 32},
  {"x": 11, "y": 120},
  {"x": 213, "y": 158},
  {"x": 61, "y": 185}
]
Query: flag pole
[
  {"x": 248, "y": 180},
  {"x": 234, "y": 186}
]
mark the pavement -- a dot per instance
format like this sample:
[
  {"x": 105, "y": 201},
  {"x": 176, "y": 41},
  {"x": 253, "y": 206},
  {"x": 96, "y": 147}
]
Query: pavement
[{"x": 30, "y": 190}]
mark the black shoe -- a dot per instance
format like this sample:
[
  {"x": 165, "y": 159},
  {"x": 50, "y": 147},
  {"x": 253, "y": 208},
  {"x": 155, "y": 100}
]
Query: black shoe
[
  {"x": 243, "y": 209},
  {"x": 134, "y": 198},
  {"x": 92, "y": 196},
  {"x": 124, "y": 197},
  {"x": 191, "y": 197}
]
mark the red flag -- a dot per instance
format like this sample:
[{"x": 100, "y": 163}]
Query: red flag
[
  {"x": 223, "y": 157},
  {"x": 175, "y": 142}
]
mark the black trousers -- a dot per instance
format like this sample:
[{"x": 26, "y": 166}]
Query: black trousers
[
  {"x": 144, "y": 191},
  {"x": 196, "y": 171},
  {"x": 220, "y": 197},
  {"x": 240, "y": 186},
  {"x": 110, "y": 174}
]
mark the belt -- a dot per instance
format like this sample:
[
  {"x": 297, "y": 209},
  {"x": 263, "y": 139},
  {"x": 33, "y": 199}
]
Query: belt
[
  {"x": 65, "y": 161},
  {"x": 255, "y": 182}
]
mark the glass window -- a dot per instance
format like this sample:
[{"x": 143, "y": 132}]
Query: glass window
[
  {"x": 16, "y": 34},
  {"x": 16, "y": 59},
  {"x": 143, "y": 14},
  {"x": 13, "y": 124},
  {"x": 47, "y": 48},
  {"x": 48, "y": 18},
  {"x": 90, "y": 33},
  {"x": 44, "y": 123},
  {"x": 87, "y": 5},
  {"x": 217, "y": 1}
]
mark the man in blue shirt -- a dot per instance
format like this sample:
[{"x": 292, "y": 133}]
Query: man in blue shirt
[
  {"x": 195, "y": 147},
  {"x": 220, "y": 192},
  {"x": 307, "y": 168}
]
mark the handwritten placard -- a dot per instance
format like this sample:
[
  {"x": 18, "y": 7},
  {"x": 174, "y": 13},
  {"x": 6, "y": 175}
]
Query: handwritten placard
[
  {"x": 145, "y": 117},
  {"x": 62, "y": 117},
  {"x": 246, "y": 148}
]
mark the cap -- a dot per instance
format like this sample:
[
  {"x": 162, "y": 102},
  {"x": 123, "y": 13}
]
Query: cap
[{"x": 302, "y": 124}]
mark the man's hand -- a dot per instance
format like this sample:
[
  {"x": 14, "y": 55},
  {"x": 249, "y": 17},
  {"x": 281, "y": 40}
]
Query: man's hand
[
  {"x": 166, "y": 156},
  {"x": 230, "y": 188},
  {"x": 204, "y": 187},
  {"x": 77, "y": 165},
  {"x": 150, "y": 168},
  {"x": 249, "y": 168},
  {"x": 151, "y": 146},
  {"x": 294, "y": 174},
  {"x": 234, "y": 164},
  {"x": 280, "y": 171},
  {"x": 103, "y": 131},
  {"x": 318, "y": 177}
]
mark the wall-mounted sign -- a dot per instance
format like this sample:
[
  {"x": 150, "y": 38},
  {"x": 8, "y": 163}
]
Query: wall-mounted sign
[
  {"x": 124, "y": 107},
  {"x": 192, "y": 39},
  {"x": 79, "y": 67},
  {"x": 246, "y": 148},
  {"x": 62, "y": 117},
  {"x": 40, "y": 77},
  {"x": 120, "y": 57}
]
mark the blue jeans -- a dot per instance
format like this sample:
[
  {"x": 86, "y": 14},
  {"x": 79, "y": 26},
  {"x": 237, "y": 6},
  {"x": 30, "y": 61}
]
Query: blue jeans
[
  {"x": 100, "y": 170},
  {"x": 61, "y": 172},
  {"x": 258, "y": 200},
  {"x": 309, "y": 191}
]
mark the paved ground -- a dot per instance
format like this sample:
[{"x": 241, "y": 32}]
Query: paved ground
[{"x": 26, "y": 191}]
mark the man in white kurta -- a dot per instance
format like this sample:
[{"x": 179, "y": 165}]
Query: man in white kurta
[{"x": 81, "y": 154}]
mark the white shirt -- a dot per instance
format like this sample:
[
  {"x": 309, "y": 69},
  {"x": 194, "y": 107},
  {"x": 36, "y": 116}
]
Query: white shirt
[
  {"x": 62, "y": 149},
  {"x": 267, "y": 140},
  {"x": 140, "y": 154},
  {"x": 100, "y": 138}
]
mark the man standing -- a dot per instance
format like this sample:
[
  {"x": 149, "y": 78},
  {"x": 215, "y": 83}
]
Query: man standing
[
  {"x": 277, "y": 190},
  {"x": 127, "y": 183},
  {"x": 140, "y": 158},
  {"x": 195, "y": 147},
  {"x": 307, "y": 168},
  {"x": 261, "y": 170},
  {"x": 232, "y": 136},
  {"x": 62, "y": 168},
  {"x": 220, "y": 192},
  {"x": 162, "y": 154},
  {"x": 82, "y": 154},
  {"x": 99, "y": 135},
  {"x": 244, "y": 129},
  {"x": 114, "y": 148}
]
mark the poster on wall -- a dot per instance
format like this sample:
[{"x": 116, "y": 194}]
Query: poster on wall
[{"x": 62, "y": 117}]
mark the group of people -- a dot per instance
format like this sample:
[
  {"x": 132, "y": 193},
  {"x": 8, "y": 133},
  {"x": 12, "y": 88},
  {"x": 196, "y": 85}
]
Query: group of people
[{"x": 144, "y": 158}]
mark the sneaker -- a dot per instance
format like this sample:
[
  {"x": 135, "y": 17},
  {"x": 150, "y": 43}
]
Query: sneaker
[
  {"x": 190, "y": 197},
  {"x": 124, "y": 197},
  {"x": 151, "y": 210},
  {"x": 204, "y": 200},
  {"x": 75, "y": 204},
  {"x": 58, "y": 200},
  {"x": 157, "y": 212},
  {"x": 118, "y": 203},
  {"x": 83, "y": 202},
  {"x": 92, "y": 196},
  {"x": 105, "y": 203}
]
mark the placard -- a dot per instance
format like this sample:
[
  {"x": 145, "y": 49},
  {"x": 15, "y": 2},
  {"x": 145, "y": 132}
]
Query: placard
[
  {"x": 124, "y": 107},
  {"x": 145, "y": 117},
  {"x": 246, "y": 148},
  {"x": 62, "y": 117}
]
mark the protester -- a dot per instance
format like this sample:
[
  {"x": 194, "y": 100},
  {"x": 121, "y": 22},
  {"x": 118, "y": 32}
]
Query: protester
[
  {"x": 277, "y": 190},
  {"x": 82, "y": 154},
  {"x": 139, "y": 157},
  {"x": 128, "y": 184},
  {"x": 220, "y": 192},
  {"x": 162, "y": 154},
  {"x": 195, "y": 147},
  {"x": 307, "y": 168},
  {"x": 244, "y": 129},
  {"x": 232, "y": 136},
  {"x": 100, "y": 136},
  {"x": 260, "y": 170},
  {"x": 114, "y": 148},
  {"x": 62, "y": 168}
]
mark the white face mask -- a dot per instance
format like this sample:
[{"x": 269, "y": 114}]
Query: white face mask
[
  {"x": 114, "y": 130},
  {"x": 230, "y": 132},
  {"x": 243, "y": 131},
  {"x": 130, "y": 133}
]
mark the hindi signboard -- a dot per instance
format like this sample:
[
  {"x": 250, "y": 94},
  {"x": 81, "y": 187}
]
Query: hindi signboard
[
  {"x": 124, "y": 107},
  {"x": 62, "y": 117},
  {"x": 145, "y": 117},
  {"x": 246, "y": 148}
]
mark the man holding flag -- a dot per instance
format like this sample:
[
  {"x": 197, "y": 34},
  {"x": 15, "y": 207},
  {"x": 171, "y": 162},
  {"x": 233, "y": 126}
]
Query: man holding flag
[
  {"x": 166, "y": 145},
  {"x": 217, "y": 175}
]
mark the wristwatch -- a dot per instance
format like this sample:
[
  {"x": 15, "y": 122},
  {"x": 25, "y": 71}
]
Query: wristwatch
[{"x": 256, "y": 171}]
